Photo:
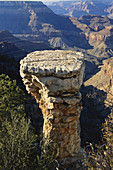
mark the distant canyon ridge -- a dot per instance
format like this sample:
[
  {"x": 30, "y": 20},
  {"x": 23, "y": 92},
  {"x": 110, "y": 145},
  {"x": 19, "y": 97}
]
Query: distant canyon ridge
[
  {"x": 36, "y": 27},
  {"x": 77, "y": 8},
  {"x": 33, "y": 26},
  {"x": 35, "y": 22}
]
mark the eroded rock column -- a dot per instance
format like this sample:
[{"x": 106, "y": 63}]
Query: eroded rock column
[{"x": 54, "y": 78}]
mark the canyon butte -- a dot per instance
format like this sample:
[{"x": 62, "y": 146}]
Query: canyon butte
[
  {"x": 35, "y": 22},
  {"x": 32, "y": 26}
]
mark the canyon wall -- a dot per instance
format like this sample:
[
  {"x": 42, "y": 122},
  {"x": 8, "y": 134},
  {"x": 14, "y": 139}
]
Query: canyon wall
[
  {"x": 54, "y": 78},
  {"x": 103, "y": 81}
]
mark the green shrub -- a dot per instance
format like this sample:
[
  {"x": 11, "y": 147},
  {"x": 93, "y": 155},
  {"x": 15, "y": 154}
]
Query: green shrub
[
  {"x": 18, "y": 142},
  {"x": 101, "y": 157},
  {"x": 46, "y": 158}
]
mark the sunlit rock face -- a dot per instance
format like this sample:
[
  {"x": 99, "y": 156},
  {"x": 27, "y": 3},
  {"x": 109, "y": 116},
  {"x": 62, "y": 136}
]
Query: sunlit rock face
[{"x": 54, "y": 78}]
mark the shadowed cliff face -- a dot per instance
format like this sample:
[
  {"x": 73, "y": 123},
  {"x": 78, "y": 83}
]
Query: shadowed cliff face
[
  {"x": 28, "y": 17},
  {"x": 93, "y": 114},
  {"x": 103, "y": 79},
  {"x": 36, "y": 21},
  {"x": 97, "y": 102},
  {"x": 16, "y": 15},
  {"x": 24, "y": 45},
  {"x": 11, "y": 50}
]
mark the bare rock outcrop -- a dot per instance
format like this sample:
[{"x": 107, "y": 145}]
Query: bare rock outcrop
[{"x": 54, "y": 78}]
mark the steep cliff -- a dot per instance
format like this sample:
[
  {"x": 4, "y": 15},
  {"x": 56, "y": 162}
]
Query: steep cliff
[
  {"x": 97, "y": 102},
  {"x": 35, "y": 20},
  {"x": 103, "y": 80},
  {"x": 98, "y": 31},
  {"x": 16, "y": 16}
]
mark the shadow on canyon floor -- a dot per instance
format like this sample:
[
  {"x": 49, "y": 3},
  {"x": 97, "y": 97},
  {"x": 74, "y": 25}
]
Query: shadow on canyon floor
[{"x": 93, "y": 114}]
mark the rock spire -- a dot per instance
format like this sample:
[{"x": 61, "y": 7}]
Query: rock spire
[{"x": 54, "y": 78}]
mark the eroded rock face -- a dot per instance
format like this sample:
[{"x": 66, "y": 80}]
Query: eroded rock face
[
  {"x": 103, "y": 80},
  {"x": 97, "y": 100},
  {"x": 54, "y": 78}
]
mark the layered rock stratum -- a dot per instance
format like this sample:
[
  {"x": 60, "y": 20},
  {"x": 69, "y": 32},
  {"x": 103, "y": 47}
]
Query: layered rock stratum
[
  {"x": 54, "y": 78},
  {"x": 103, "y": 80},
  {"x": 35, "y": 22},
  {"x": 78, "y": 8},
  {"x": 28, "y": 46},
  {"x": 97, "y": 100}
]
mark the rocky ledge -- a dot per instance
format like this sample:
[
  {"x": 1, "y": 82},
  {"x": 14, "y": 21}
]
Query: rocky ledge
[{"x": 54, "y": 78}]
